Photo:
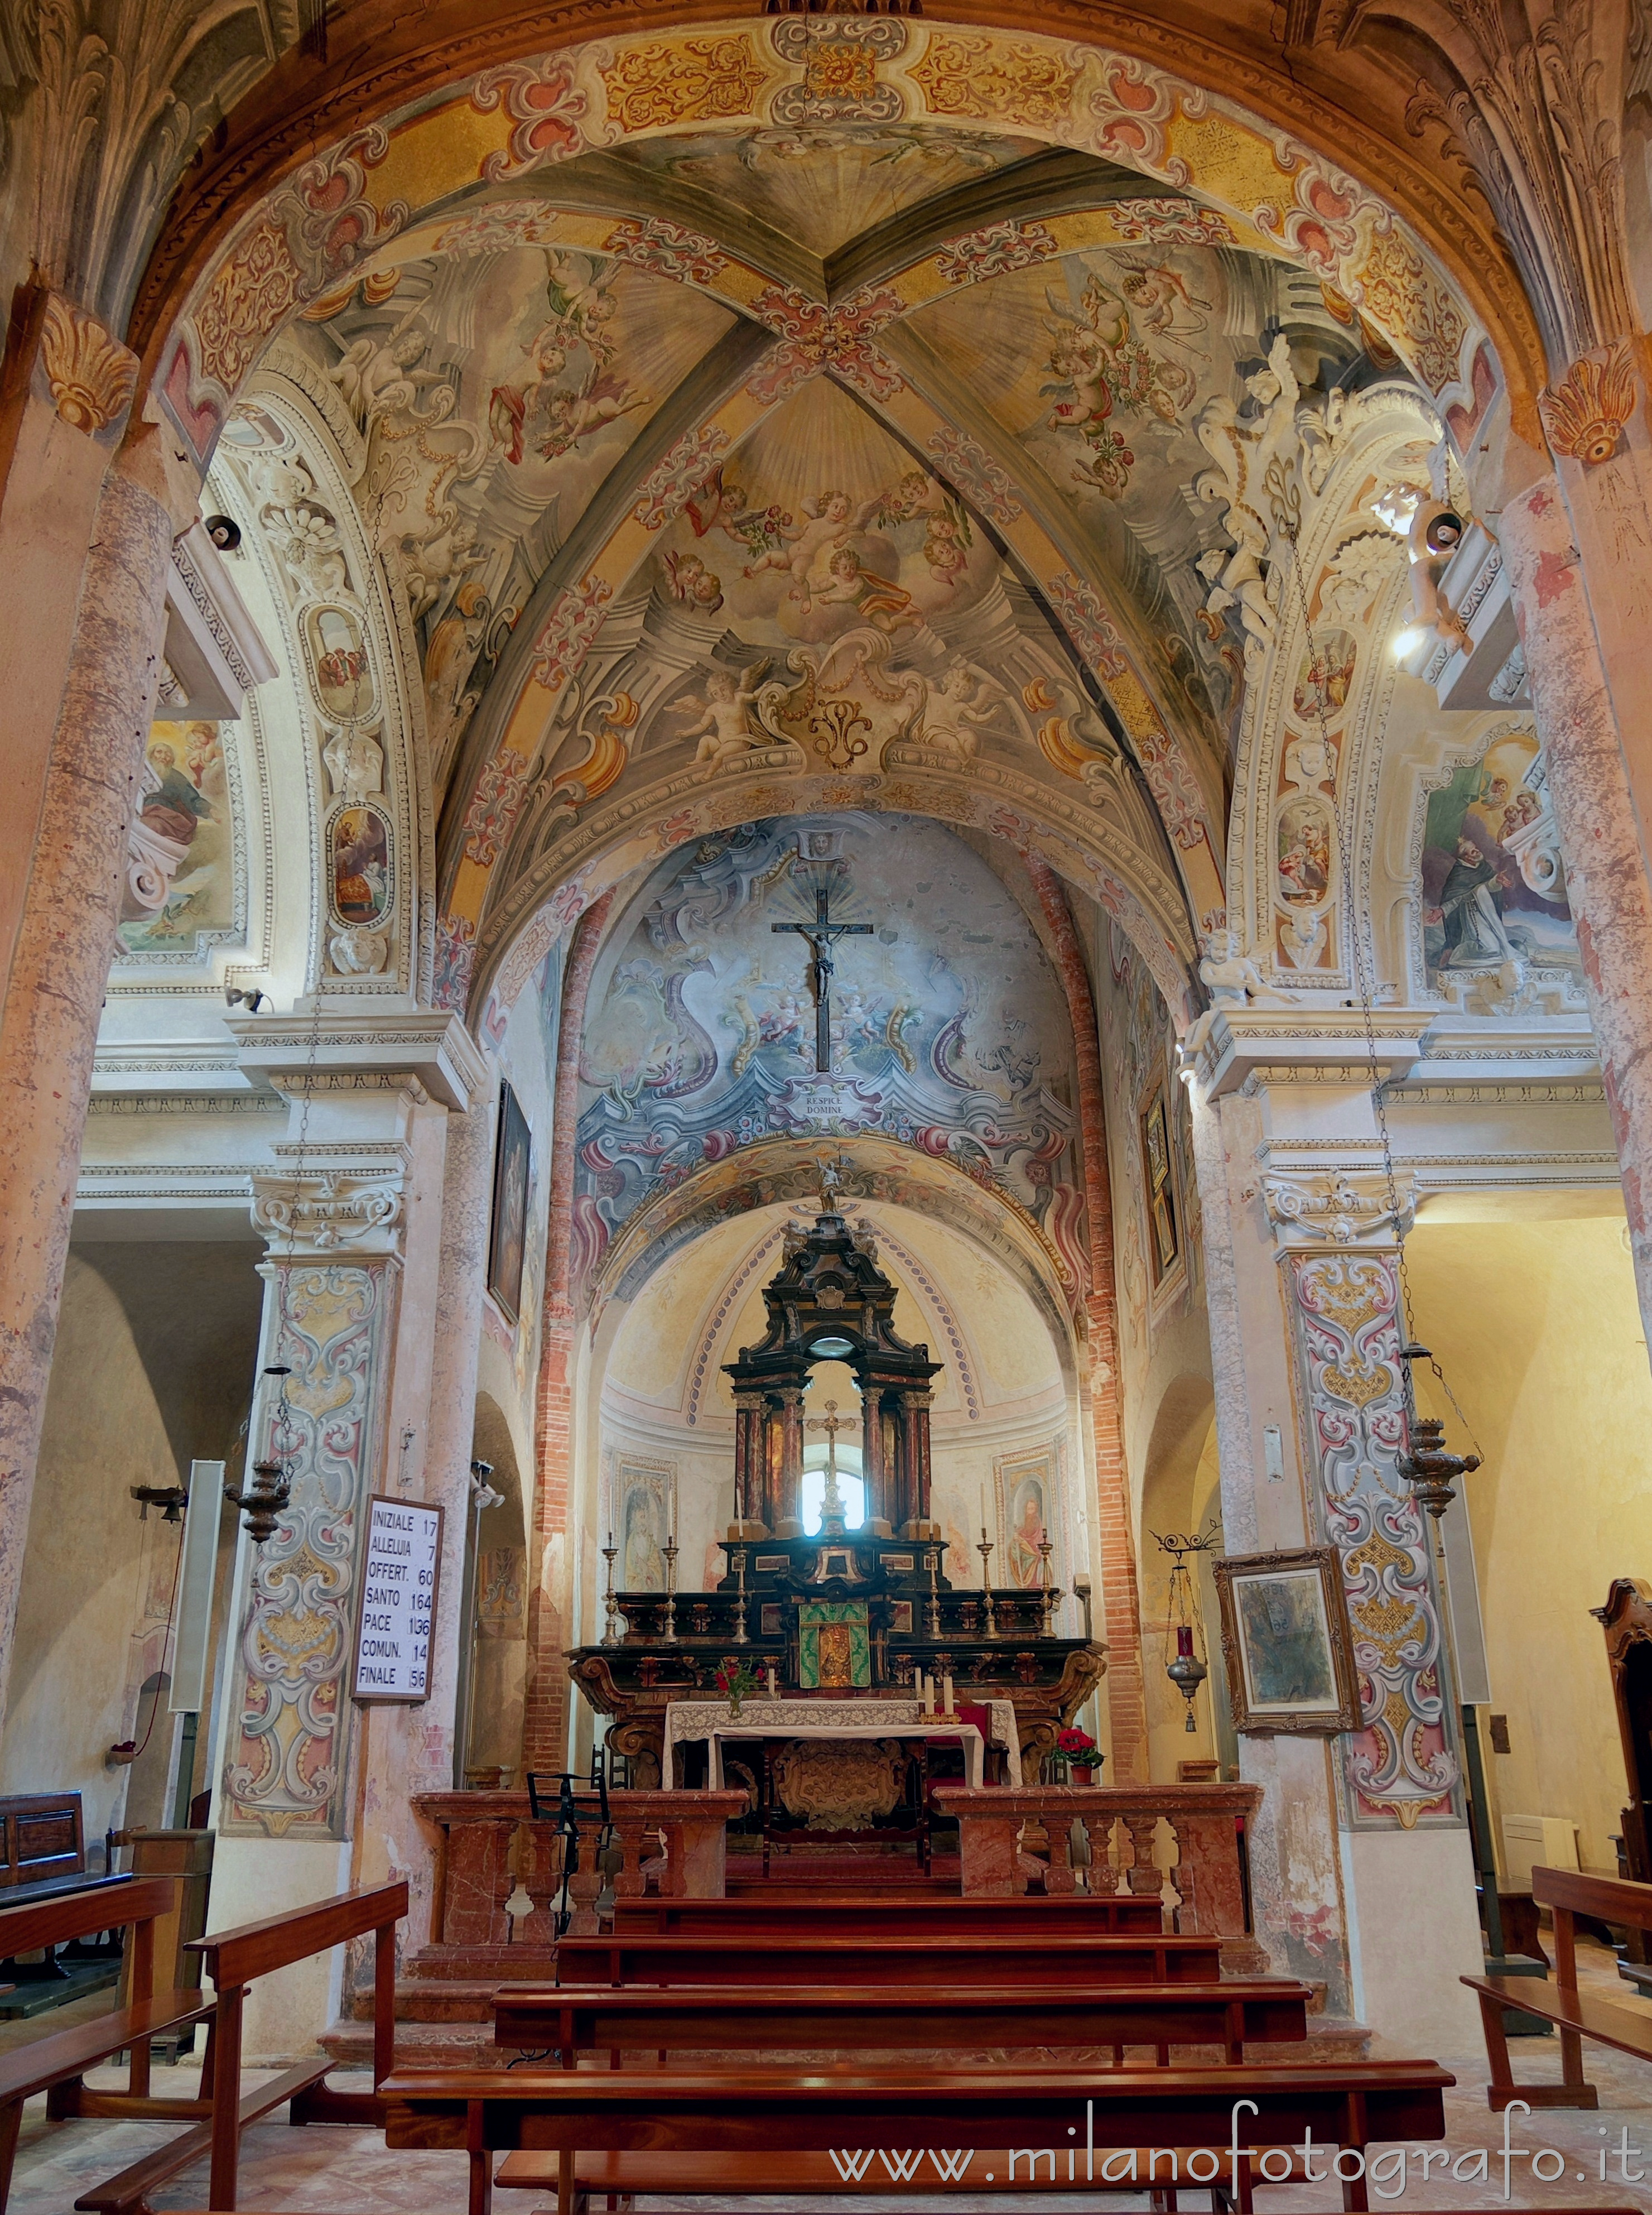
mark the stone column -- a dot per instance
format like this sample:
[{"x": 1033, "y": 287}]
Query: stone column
[
  {"x": 1601, "y": 837},
  {"x": 788, "y": 1503},
  {"x": 65, "y": 928},
  {"x": 1098, "y": 1390},
  {"x": 461, "y": 1283},
  {"x": 550, "y": 1558},
  {"x": 1360, "y": 1870}
]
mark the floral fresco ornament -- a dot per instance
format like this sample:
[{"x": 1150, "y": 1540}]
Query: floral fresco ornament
[{"x": 840, "y": 58}]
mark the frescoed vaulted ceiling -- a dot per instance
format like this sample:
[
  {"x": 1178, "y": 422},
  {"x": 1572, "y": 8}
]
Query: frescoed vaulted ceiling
[{"x": 828, "y": 441}]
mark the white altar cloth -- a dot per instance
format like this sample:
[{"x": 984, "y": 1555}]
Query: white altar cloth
[{"x": 709, "y": 1720}]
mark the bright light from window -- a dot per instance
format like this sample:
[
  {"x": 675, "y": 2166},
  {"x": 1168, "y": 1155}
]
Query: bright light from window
[{"x": 851, "y": 1489}]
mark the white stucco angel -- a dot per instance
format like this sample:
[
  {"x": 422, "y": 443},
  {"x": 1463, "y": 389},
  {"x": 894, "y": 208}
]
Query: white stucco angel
[{"x": 1232, "y": 979}]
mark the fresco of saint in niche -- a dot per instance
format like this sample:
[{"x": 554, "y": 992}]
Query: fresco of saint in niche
[
  {"x": 1303, "y": 842},
  {"x": 361, "y": 865},
  {"x": 1494, "y": 887}
]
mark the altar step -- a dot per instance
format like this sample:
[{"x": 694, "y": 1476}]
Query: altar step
[{"x": 470, "y": 2045}]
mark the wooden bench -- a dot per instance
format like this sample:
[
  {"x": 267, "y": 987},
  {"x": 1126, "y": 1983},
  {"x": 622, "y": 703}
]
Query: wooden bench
[
  {"x": 234, "y": 1960},
  {"x": 778, "y": 2111},
  {"x": 1570, "y": 1894},
  {"x": 798, "y": 1958},
  {"x": 56, "y": 2063},
  {"x": 42, "y": 1836},
  {"x": 897, "y": 2172},
  {"x": 1073, "y": 1914},
  {"x": 743, "y": 2018}
]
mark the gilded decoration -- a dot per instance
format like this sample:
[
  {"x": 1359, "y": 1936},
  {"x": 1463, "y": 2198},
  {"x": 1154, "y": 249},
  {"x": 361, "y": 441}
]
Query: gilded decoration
[
  {"x": 284, "y": 1776},
  {"x": 1399, "y": 1766},
  {"x": 685, "y": 79},
  {"x": 1585, "y": 414},
  {"x": 1002, "y": 81},
  {"x": 89, "y": 375},
  {"x": 840, "y": 1784}
]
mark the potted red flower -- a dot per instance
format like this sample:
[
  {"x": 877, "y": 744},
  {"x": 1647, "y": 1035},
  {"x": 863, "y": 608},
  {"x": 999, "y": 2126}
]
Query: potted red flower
[
  {"x": 736, "y": 1680},
  {"x": 1074, "y": 1752}
]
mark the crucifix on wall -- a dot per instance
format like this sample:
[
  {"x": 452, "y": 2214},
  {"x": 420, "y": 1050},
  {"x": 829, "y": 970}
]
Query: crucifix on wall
[{"x": 823, "y": 934}]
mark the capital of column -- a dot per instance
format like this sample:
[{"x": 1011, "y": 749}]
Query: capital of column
[
  {"x": 1328, "y": 1211},
  {"x": 337, "y": 1211}
]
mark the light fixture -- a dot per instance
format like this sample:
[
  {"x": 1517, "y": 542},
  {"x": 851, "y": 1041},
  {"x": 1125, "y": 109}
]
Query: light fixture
[
  {"x": 254, "y": 1002},
  {"x": 265, "y": 1499},
  {"x": 1186, "y": 1668}
]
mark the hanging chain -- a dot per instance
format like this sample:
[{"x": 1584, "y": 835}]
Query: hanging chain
[{"x": 1362, "y": 963}]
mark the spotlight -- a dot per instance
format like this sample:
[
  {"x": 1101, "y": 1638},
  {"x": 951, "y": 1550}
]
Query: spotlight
[{"x": 256, "y": 1002}]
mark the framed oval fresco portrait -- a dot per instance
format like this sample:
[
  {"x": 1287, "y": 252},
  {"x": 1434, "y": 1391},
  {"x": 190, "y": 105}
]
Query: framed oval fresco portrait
[
  {"x": 339, "y": 662},
  {"x": 359, "y": 856}
]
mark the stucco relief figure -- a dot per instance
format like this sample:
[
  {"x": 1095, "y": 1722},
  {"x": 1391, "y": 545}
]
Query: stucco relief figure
[
  {"x": 958, "y": 706},
  {"x": 1232, "y": 979},
  {"x": 355, "y": 762},
  {"x": 1256, "y": 483}
]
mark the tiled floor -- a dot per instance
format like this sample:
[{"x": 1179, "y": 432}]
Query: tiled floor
[{"x": 349, "y": 2172}]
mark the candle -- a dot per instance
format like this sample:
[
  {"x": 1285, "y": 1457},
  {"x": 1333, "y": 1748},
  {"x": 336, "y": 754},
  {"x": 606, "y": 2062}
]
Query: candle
[
  {"x": 946, "y": 1707},
  {"x": 926, "y": 1691},
  {"x": 1184, "y": 1641},
  {"x": 771, "y": 1680}
]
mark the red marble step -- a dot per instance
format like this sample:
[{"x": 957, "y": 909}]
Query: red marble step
[{"x": 505, "y": 1964}]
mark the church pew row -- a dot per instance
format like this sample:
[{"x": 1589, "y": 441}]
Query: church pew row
[
  {"x": 1076, "y": 1915},
  {"x": 779, "y": 2112},
  {"x": 754, "y": 2018},
  {"x": 798, "y": 1958}
]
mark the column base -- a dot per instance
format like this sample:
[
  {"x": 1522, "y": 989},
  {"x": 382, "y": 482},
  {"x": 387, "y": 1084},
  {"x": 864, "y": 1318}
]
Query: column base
[
  {"x": 746, "y": 1534},
  {"x": 788, "y": 1527},
  {"x": 923, "y": 1532}
]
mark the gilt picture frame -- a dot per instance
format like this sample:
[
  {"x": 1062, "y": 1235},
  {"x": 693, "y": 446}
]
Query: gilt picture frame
[{"x": 1287, "y": 1643}]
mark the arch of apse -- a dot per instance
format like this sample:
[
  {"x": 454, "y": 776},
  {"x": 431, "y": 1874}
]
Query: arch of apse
[
  {"x": 511, "y": 120},
  {"x": 382, "y": 59},
  {"x": 879, "y": 1170}
]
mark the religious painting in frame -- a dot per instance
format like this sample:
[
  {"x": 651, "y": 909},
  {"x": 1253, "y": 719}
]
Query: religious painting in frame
[
  {"x": 1164, "y": 1228},
  {"x": 1025, "y": 1487},
  {"x": 834, "y": 1645},
  {"x": 645, "y": 1515},
  {"x": 1287, "y": 1642},
  {"x": 507, "y": 1246}
]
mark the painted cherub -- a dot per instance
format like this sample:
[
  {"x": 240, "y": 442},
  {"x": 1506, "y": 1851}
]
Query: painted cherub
[
  {"x": 571, "y": 416},
  {"x": 850, "y": 584},
  {"x": 694, "y": 584},
  {"x": 582, "y": 304},
  {"x": 725, "y": 728},
  {"x": 831, "y": 518}
]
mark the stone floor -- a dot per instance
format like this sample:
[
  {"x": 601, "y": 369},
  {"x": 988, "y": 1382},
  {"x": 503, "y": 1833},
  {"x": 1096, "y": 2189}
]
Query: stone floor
[{"x": 346, "y": 2172}]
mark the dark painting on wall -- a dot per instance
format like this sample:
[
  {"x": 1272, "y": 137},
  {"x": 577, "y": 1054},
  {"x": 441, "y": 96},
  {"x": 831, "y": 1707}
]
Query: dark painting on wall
[{"x": 508, "y": 1247}]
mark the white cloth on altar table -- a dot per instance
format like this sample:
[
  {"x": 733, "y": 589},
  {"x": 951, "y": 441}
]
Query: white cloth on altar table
[{"x": 709, "y": 1720}]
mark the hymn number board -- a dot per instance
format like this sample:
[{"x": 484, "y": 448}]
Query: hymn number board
[{"x": 397, "y": 1611}]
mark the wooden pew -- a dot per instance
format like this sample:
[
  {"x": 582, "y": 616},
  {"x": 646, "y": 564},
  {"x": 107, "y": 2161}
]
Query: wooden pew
[
  {"x": 1569, "y": 1894},
  {"x": 757, "y": 2018},
  {"x": 56, "y": 2063},
  {"x": 778, "y": 2111},
  {"x": 1074, "y": 1914},
  {"x": 234, "y": 1960},
  {"x": 798, "y": 1958}
]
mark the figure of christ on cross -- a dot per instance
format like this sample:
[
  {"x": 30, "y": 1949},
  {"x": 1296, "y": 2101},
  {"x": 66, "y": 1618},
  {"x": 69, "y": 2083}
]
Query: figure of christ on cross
[
  {"x": 831, "y": 1506},
  {"x": 823, "y": 934}
]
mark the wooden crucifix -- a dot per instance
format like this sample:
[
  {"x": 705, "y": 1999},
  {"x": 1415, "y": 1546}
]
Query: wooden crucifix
[{"x": 823, "y": 934}]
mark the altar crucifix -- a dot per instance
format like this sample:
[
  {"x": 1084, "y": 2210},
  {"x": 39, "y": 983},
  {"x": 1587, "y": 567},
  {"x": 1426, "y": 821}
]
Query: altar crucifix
[
  {"x": 823, "y": 934},
  {"x": 831, "y": 1506}
]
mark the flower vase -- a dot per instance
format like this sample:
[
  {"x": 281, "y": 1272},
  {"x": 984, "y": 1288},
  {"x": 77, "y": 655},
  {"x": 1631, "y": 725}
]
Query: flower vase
[
  {"x": 1080, "y": 1775},
  {"x": 734, "y": 1707}
]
